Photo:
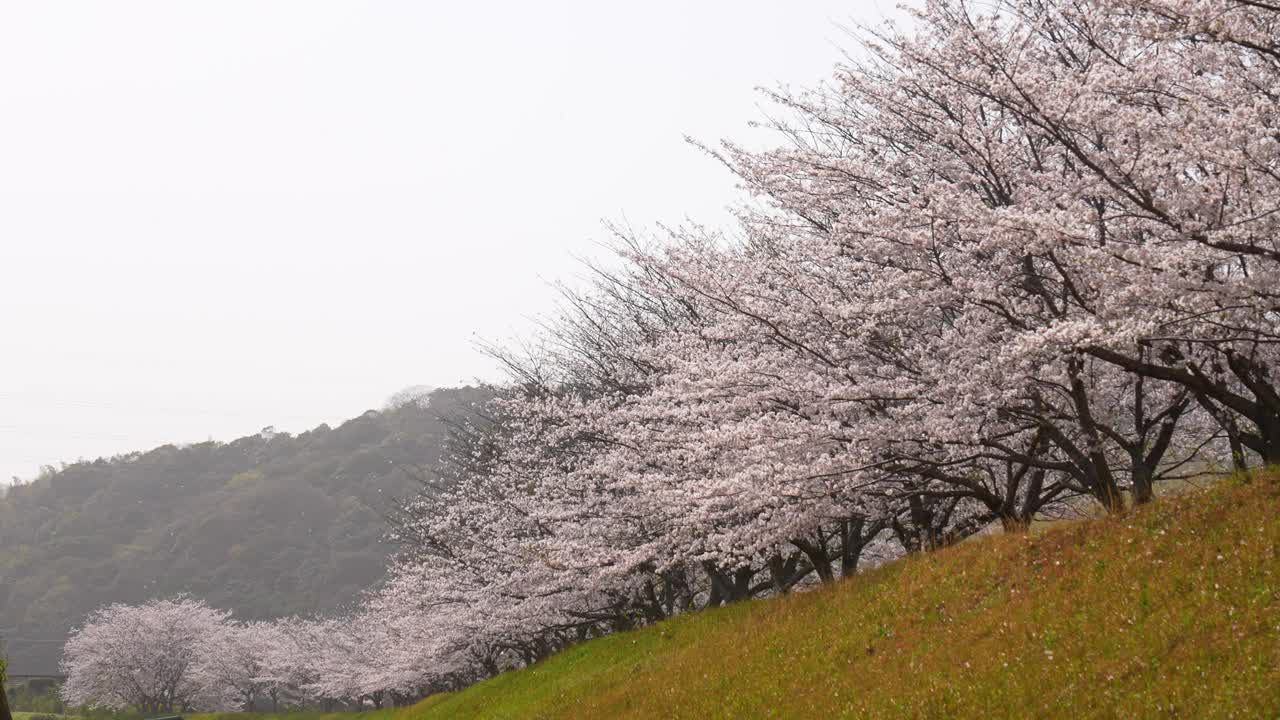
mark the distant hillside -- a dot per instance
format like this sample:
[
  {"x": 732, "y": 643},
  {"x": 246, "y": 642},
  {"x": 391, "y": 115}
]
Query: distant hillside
[
  {"x": 1172, "y": 611},
  {"x": 267, "y": 525}
]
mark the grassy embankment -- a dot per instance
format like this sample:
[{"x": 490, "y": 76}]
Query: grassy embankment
[{"x": 1171, "y": 611}]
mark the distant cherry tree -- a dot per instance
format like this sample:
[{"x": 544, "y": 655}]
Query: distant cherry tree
[
  {"x": 141, "y": 657},
  {"x": 230, "y": 665}
]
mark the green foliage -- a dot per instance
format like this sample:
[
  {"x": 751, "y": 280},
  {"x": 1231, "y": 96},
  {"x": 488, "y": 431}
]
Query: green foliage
[
  {"x": 1172, "y": 611},
  {"x": 267, "y": 525},
  {"x": 83, "y": 713},
  {"x": 36, "y": 696},
  {"x": 246, "y": 479}
]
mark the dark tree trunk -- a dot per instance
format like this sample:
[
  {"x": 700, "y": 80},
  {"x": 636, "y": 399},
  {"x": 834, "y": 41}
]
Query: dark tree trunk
[
  {"x": 817, "y": 554},
  {"x": 727, "y": 588},
  {"x": 1237, "y": 453},
  {"x": 855, "y": 536},
  {"x": 742, "y": 584},
  {"x": 715, "y": 596},
  {"x": 786, "y": 573},
  {"x": 1143, "y": 490},
  {"x": 923, "y": 530},
  {"x": 1097, "y": 469}
]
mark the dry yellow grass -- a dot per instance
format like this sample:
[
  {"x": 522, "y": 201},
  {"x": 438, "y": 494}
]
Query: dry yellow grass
[{"x": 1172, "y": 611}]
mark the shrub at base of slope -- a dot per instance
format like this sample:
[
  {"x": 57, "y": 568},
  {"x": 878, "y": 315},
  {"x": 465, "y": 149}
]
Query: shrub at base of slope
[{"x": 1171, "y": 611}]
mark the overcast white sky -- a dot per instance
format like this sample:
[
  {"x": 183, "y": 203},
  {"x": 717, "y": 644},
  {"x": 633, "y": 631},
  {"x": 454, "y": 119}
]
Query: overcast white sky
[{"x": 217, "y": 216}]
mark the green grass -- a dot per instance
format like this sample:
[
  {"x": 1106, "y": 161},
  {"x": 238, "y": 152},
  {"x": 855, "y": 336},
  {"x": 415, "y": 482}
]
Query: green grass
[
  {"x": 29, "y": 715},
  {"x": 1172, "y": 611},
  {"x": 387, "y": 714}
]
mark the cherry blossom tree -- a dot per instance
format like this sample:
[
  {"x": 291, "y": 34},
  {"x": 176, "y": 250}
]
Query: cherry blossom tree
[
  {"x": 230, "y": 665},
  {"x": 282, "y": 665},
  {"x": 929, "y": 244},
  {"x": 1084, "y": 142},
  {"x": 140, "y": 656}
]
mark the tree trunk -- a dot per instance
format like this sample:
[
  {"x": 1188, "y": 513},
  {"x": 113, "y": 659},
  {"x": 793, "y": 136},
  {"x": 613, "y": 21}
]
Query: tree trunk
[
  {"x": 742, "y": 584},
  {"x": 1238, "y": 463},
  {"x": 1143, "y": 492},
  {"x": 1269, "y": 430},
  {"x": 727, "y": 588},
  {"x": 783, "y": 572},
  {"x": 855, "y": 535},
  {"x": 921, "y": 533},
  {"x": 817, "y": 555}
]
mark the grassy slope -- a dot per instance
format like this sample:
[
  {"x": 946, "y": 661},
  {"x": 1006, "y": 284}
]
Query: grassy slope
[
  {"x": 386, "y": 714},
  {"x": 1173, "y": 611}
]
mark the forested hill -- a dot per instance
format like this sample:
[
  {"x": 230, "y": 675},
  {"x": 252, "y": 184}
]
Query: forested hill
[{"x": 267, "y": 525}]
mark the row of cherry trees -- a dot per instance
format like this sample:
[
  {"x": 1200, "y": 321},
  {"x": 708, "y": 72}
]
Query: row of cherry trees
[
  {"x": 1019, "y": 258},
  {"x": 177, "y": 655},
  {"x": 1023, "y": 258}
]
